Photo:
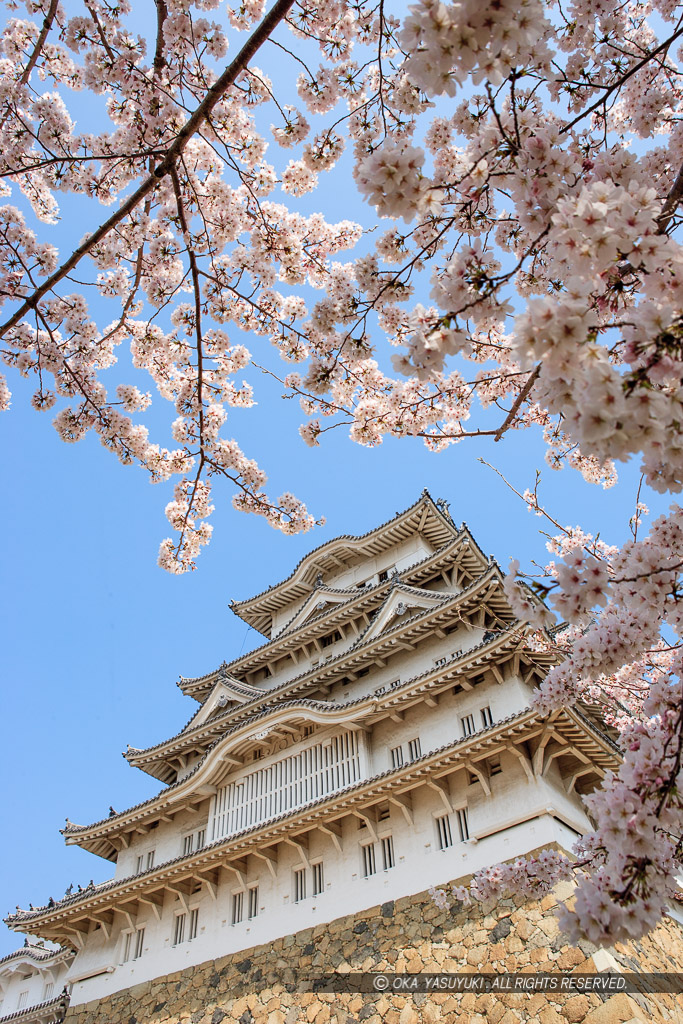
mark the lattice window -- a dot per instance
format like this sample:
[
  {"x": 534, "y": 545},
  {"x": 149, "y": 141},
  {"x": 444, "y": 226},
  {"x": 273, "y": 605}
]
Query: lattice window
[
  {"x": 299, "y": 885},
  {"x": 286, "y": 784},
  {"x": 396, "y": 757},
  {"x": 463, "y": 826},
  {"x": 133, "y": 943},
  {"x": 387, "y": 844},
  {"x": 318, "y": 879},
  {"x": 253, "y": 902},
  {"x": 443, "y": 832},
  {"x": 237, "y": 907},
  {"x": 368, "y": 855},
  {"x": 179, "y": 929},
  {"x": 467, "y": 723}
]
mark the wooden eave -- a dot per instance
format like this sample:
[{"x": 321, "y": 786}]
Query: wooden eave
[
  {"x": 470, "y": 663},
  {"x": 421, "y": 518},
  {"x": 462, "y": 672},
  {"x": 385, "y": 645},
  {"x": 325, "y": 672},
  {"x": 460, "y": 553},
  {"x": 37, "y": 1013},
  {"x": 536, "y": 740}
]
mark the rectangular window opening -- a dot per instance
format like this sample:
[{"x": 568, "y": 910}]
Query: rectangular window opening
[
  {"x": 414, "y": 748},
  {"x": 368, "y": 855},
  {"x": 237, "y": 907},
  {"x": 443, "y": 832},
  {"x": 179, "y": 929},
  {"x": 486, "y": 717},
  {"x": 299, "y": 885},
  {"x": 467, "y": 723},
  {"x": 150, "y": 860},
  {"x": 387, "y": 852},
  {"x": 396, "y": 757},
  {"x": 194, "y": 920},
  {"x": 253, "y": 902},
  {"x": 463, "y": 826},
  {"x": 318, "y": 879}
]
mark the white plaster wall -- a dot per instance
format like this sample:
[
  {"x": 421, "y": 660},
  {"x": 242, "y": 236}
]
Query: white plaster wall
[
  {"x": 434, "y": 727},
  {"x": 23, "y": 975},
  {"x": 419, "y": 864},
  {"x": 166, "y": 840}
]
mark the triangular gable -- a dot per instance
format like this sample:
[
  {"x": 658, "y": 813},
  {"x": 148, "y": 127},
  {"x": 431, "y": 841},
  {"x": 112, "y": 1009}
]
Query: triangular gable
[
  {"x": 226, "y": 691},
  {"x": 402, "y": 600},
  {"x": 319, "y": 601}
]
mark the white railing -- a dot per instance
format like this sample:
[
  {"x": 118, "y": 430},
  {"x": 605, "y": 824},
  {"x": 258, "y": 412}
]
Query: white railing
[{"x": 289, "y": 783}]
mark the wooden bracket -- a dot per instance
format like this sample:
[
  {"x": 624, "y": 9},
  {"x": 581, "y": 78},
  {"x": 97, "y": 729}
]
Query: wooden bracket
[
  {"x": 270, "y": 859},
  {"x": 405, "y": 804},
  {"x": 301, "y": 846},
  {"x": 333, "y": 830},
  {"x": 441, "y": 787}
]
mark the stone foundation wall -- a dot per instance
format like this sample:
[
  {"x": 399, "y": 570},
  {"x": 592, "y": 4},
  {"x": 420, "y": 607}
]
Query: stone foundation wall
[{"x": 258, "y": 985}]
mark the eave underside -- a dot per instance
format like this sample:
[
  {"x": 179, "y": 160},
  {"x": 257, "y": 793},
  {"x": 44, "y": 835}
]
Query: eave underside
[
  {"x": 501, "y": 656},
  {"x": 565, "y": 738}
]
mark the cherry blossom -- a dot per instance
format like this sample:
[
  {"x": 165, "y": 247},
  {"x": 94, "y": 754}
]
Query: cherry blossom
[{"x": 517, "y": 264}]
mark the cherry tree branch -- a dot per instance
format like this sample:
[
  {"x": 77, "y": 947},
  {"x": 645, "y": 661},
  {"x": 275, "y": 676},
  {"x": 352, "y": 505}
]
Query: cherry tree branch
[
  {"x": 203, "y": 111},
  {"x": 40, "y": 42}
]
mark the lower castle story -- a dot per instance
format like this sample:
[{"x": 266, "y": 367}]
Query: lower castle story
[{"x": 273, "y": 983}]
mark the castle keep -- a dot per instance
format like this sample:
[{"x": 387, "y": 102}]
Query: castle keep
[{"x": 378, "y": 742}]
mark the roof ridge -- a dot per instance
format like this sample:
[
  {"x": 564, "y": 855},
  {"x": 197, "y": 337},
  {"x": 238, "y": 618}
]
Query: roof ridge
[{"x": 34, "y": 952}]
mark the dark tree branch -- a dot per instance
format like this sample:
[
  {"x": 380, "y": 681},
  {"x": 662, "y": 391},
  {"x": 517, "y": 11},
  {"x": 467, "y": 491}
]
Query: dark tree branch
[{"x": 203, "y": 111}]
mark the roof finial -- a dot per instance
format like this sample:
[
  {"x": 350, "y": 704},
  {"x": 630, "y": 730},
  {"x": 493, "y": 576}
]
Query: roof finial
[
  {"x": 443, "y": 506},
  {"x": 319, "y": 580}
]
